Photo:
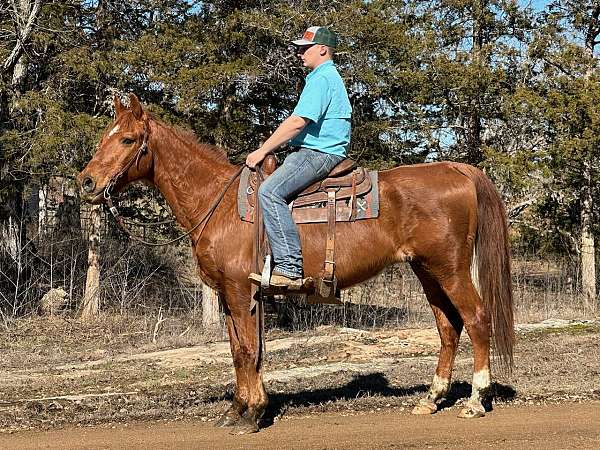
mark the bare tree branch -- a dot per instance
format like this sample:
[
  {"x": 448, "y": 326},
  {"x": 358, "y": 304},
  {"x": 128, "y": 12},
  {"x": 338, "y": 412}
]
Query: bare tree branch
[{"x": 17, "y": 51}]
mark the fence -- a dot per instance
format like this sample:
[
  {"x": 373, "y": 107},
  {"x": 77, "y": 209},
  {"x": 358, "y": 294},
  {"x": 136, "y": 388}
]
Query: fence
[{"x": 52, "y": 252}]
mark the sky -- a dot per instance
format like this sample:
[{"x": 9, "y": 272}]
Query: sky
[{"x": 536, "y": 4}]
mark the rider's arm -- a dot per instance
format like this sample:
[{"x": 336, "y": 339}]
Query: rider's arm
[{"x": 289, "y": 128}]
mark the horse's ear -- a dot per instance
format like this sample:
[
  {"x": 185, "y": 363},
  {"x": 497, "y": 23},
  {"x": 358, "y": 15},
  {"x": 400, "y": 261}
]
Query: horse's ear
[
  {"x": 135, "y": 106},
  {"x": 119, "y": 108}
]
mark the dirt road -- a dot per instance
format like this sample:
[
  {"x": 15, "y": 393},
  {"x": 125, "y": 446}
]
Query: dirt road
[
  {"x": 330, "y": 388},
  {"x": 564, "y": 426}
]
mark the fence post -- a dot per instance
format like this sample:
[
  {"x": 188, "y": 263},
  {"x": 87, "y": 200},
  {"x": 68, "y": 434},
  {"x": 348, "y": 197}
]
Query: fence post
[
  {"x": 91, "y": 296},
  {"x": 211, "y": 319}
]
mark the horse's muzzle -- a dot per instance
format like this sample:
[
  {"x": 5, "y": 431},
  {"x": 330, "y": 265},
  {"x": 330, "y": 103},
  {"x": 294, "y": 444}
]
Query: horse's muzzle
[{"x": 89, "y": 190}]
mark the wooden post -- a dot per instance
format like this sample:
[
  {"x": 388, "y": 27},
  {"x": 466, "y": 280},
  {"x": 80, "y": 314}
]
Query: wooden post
[
  {"x": 211, "y": 319},
  {"x": 91, "y": 296}
]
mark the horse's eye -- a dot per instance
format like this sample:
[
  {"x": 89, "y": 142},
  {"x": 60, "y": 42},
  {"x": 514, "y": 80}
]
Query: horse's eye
[{"x": 127, "y": 141}]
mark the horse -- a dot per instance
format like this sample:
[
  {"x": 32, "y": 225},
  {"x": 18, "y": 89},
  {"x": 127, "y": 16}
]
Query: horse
[{"x": 446, "y": 219}]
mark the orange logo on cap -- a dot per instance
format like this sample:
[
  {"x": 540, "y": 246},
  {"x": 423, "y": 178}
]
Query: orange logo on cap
[{"x": 308, "y": 35}]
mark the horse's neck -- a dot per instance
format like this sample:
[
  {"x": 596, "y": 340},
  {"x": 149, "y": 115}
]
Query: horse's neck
[{"x": 189, "y": 178}]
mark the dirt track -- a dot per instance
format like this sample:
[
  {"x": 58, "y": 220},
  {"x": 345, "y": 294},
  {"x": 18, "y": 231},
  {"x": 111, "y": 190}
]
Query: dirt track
[
  {"x": 330, "y": 388},
  {"x": 570, "y": 425}
]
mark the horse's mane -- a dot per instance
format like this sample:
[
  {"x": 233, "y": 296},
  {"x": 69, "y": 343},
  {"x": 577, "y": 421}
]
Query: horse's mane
[
  {"x": 185, "y": 136},
  {"x": 189, "y": 138}
]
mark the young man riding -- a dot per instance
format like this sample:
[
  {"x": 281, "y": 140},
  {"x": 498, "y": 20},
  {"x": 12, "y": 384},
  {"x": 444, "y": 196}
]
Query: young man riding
[{"x": 319, "y": 129}]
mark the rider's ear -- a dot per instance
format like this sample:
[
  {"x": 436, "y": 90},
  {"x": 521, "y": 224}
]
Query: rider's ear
[
  {"x": 119, "y": 108},
  {"x": 135, "y": 106}
]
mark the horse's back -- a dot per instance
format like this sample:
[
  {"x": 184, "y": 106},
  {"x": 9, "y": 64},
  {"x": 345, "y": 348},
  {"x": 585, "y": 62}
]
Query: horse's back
[
  {"x": 432, "y": 204},
  {"x": 441, "y": 173},
  {"x": 429, "y": 184}
]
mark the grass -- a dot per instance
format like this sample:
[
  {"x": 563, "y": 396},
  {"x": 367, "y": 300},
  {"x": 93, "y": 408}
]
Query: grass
[
  {"x": 572, "y": 329},
  {"x": 167, "y": 289}
]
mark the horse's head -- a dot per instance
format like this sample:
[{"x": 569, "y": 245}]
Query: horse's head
[{"x": 122, "y": 155}]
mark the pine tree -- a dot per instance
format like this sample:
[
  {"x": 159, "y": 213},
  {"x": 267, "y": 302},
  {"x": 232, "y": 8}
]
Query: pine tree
[{"x": 569, "y": 84}]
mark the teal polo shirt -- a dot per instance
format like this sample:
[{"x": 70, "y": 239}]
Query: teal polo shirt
[{"x": 324, "y": 101}]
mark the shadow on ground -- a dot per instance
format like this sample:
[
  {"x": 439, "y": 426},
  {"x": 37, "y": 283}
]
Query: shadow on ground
[
  {"x": 366, "y": 385},
  {"x": 373, "y": 384},
  {"x": 461, "y": 389}
]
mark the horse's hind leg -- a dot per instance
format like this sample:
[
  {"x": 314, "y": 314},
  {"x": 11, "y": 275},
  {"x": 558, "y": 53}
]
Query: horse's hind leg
[
  {"x": 250, "y": 398},
  {"x": 465, "y": 298},
  {"x": 449, "y": 325}
]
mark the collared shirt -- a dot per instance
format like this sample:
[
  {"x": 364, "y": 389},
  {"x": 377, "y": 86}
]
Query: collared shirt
[{"x": 324, "y": 101}]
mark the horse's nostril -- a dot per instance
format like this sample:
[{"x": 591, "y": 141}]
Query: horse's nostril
[{"x": 88, "y": 185}]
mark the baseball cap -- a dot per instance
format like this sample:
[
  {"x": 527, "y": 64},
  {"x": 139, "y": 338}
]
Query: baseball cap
[{"x": 318, "y": 35}]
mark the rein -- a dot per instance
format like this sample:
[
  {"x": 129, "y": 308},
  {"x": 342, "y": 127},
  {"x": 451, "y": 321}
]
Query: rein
[
  {"x": 259, "y": 251},
  {"x": 121, "y": 222}
]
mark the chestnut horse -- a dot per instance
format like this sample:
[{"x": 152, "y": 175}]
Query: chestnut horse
[{"x": 439, "y": 217}]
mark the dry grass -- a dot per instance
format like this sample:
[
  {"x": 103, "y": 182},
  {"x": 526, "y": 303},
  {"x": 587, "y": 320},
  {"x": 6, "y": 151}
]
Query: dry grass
[
  {"x": 144, "y": 283},
  {"x": 39, "y": 342},
  {"x": 390, "y": 370},
  {"x": 546, "y": 289}
]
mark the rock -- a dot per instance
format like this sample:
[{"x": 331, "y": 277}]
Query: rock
[{"x": 53, "y": 301}]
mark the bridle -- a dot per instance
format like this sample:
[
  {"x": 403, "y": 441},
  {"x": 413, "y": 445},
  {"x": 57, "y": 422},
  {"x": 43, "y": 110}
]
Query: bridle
[
  {"x": 143, "y": 148},
  {"x": 141, "y": 151}
]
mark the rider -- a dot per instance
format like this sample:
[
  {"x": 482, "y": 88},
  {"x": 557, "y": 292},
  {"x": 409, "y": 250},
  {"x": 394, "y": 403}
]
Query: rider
[{"x": 319, "y": 130}]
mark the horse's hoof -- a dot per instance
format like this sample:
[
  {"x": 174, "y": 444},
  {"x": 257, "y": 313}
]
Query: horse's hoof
[
  {"x": 471, "y": 412},
  {"x": 228, "y": 419},
  {"x": 245, "y": 426},
  {"x": 424, "y": 407}
]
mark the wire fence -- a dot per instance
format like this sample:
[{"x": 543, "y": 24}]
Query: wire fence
[
  {"x": 50, "y": 251},
  {"x": 138, "y": 279}
]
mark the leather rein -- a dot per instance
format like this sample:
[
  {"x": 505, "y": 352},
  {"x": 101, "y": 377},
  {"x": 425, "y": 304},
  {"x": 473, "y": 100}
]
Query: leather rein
[{"x": 143, "y": 149}]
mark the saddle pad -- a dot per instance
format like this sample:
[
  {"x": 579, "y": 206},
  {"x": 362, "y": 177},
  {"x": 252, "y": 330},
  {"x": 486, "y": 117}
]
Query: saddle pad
[{"x": 367, "y": 205}]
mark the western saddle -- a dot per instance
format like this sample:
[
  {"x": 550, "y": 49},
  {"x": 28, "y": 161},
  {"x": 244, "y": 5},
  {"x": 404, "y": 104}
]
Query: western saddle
[{"x": 338, "y": 192}]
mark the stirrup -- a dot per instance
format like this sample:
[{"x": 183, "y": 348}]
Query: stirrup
[{"x": 303, "y": 285}]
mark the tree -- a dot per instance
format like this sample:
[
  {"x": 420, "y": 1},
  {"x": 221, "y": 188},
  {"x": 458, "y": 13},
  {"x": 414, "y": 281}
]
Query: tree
[
  {"x": 91, "y": 294},
  {"x": 569, "y": 83},
  {"x": 472, "y": 70},
  {"x": 211, "y": 320}
]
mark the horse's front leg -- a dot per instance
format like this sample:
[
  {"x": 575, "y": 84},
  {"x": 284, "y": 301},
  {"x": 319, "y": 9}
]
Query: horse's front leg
[
  {"x": 250, "y": 398},
  {"x": 233, "y": 415}
]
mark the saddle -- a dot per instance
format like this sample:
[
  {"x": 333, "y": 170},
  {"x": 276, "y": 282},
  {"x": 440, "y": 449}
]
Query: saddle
[
  {"x": 347, "y": 194},
  {"x": 354, "y": 194}
]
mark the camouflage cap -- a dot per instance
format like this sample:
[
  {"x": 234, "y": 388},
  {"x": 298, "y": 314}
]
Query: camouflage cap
[{"x": 318, "y": 35}]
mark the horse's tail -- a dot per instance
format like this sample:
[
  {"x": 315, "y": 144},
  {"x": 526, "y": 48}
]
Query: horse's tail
[{"x": 492, "y": 256}]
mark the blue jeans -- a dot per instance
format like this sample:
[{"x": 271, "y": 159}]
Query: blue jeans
[{"x": 299, "y": 170}]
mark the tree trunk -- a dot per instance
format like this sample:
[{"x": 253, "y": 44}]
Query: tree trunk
[
  {"x": 9, "y": 238},
  {"x": 588, "y": 246},
  {"x": 42, "y": 210},
  {"x": 211, "y": 319},
  {"x": 25, "y": 16},
  {"x": 474, "y": 153},
  {"x": 91, "y": 296}
]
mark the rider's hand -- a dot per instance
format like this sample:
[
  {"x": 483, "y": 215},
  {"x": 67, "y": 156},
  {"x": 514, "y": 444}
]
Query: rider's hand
[{"x": 255, "y": 158}]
